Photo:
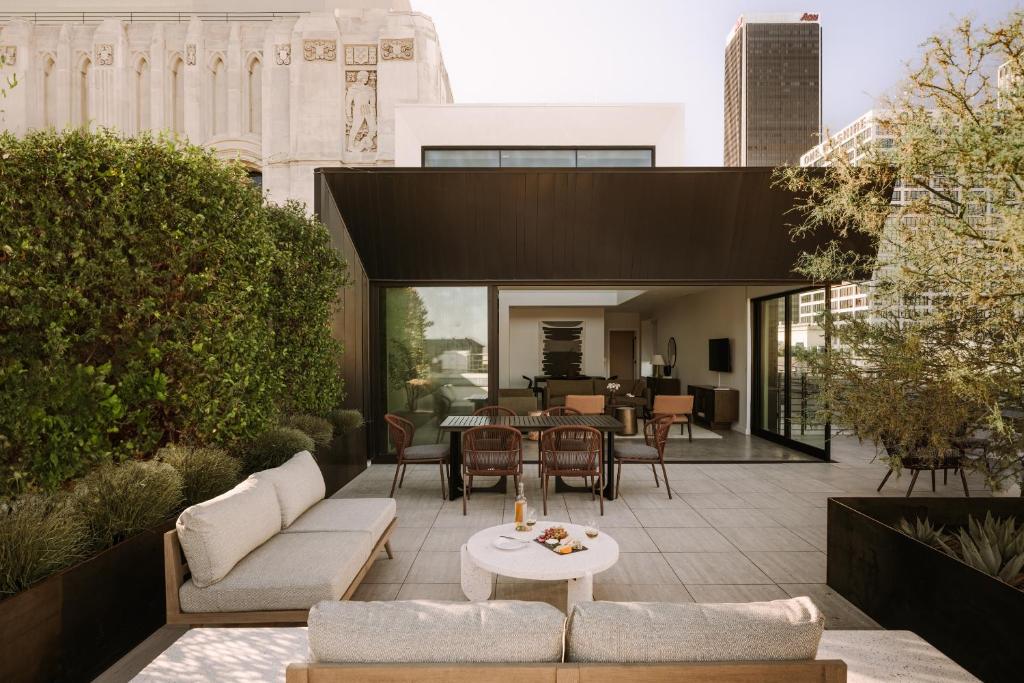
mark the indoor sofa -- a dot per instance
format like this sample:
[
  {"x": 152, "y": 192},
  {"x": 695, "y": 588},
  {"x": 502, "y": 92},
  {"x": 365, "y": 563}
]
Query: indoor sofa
[
  {"x": 556, "y": 390},
  {"x": 532, "y": 641},
  {"x": 271, "y": 548}
]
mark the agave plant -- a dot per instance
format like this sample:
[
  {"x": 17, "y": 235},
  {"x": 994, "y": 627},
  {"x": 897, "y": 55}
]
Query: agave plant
[
  {"x": 995, "y": 547},
  {"x": 923, "y": 530}
]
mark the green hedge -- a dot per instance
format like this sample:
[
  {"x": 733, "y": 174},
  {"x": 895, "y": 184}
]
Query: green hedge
[{"x": 148, "y": 294}]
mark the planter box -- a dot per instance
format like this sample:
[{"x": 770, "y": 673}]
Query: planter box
[
  {"x": 343, "y": 460},
  {"x": 78, "y": 622},
  {"x": 902, "y": 583}
]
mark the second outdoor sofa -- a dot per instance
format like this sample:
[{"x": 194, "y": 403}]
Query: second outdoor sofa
[{"x": 271, "y": 548}]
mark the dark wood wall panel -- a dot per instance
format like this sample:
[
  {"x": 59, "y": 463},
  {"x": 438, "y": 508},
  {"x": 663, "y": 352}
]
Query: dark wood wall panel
[{"x": 719, "y": 225}]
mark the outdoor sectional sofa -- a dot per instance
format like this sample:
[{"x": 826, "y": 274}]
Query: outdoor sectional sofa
[
  {"x": 270, "y": 548},
  {"x": 771, "y": 642}
]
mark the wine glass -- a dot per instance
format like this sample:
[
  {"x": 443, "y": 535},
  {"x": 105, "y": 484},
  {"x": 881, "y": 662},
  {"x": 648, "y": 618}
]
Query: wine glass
[
  {"x": 531, "y": 517},
  {"x": 591, "y": 529}
]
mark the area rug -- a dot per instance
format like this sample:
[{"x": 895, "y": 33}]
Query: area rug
[{"x": 674, "y": 435}]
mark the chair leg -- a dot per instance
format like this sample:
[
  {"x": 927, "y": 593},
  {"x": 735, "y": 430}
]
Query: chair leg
[
  {"x": 440, "y": 467},
  {"x": 945, "y": 476},
  {"x": 394, "y": 482},
  {"x": 654, "y": 469},
  {"x": 590, "y": 484},
  {"x": 618, "y": 481},
  {"x": 664, "y": 475},
  {"x": 682, "y": 428},
  {"x": 544, "y": 495},
  {"x": 933, "y": 480},
  {"x": 401, "y": 480},
  {"x": 689, "y": 429},
  {"x": 600, "y": 483},
  {"x": 465, "y": 498},
  {"x": 913, "y": 480},
  {"x": 387, "y": 549},
  {"x": 884, "y": 479},
  {"x": 963, "y": 480}
]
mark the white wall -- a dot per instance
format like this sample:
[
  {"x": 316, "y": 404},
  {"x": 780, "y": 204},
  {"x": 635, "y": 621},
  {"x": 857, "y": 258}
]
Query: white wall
[
  {"x": 712, "y": 314},
  {"x": 539, "y": 125},
  {"x": 521, "y": 353}
]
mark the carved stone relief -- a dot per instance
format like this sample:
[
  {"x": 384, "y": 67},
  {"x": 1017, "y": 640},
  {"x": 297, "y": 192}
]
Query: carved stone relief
[
  {"x": 10, "y": 54},
  {"x": 396, "y": 48},
  {"x": 360, "y": 54},
  {"x": 105, "y": 54},
  {"x": 361, "y": 110},
  {"x": 283, "y": 54},
  {"x": 190, "y": 54},
  {"x": 320, "y": 50}
]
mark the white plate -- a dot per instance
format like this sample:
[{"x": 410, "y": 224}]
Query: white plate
[{"x": 506, "y": 544}]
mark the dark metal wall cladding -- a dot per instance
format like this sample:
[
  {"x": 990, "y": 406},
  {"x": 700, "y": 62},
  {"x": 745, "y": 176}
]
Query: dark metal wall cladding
[{"x": 657, "y": 225}]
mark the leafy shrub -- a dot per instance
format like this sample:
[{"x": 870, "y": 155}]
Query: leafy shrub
[
  {"x": 346, "y": 421},
  {"x": 148, "y": 295},
  {"x": 316, "y": 428},
  {"x": 118, "y": 501},
  {"x": 273, "y": 447},
  {"x": 205, "y": 472},
  {"x": 39, "y": 535}
]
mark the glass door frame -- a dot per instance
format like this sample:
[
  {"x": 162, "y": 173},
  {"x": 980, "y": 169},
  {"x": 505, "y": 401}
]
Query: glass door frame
[{"x": 757, "y": 375}]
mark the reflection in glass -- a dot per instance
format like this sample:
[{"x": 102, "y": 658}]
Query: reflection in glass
[
  {"x": 618, "y": 158},
  {"x": 807, "y": 341},
  {"x": 461, "y": 158},
  {"x": 773, "y": 364},
  {"x": 527, "y": 158},
  {"x": 435, "y": 354}
]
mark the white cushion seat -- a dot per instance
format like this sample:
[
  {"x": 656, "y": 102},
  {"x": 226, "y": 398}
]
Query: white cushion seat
[
  {"x": 428, "y": 451},
  {"x": 298, "y": 484},
  {"x": 347, "y": 514},
  {"x": 435, "y": 631},
  {"x": 288, "y": 572},
  {"x": 636, "y": 450},
  {"x": 669, "y": 632}
]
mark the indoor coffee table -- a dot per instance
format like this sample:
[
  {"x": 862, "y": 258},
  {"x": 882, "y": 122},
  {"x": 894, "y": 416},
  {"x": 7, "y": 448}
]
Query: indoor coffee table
[{"x": 481, "y": 560}]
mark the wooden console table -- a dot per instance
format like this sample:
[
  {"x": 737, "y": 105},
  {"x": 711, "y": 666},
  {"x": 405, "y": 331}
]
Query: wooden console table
[{"x": 714, "y": 408}]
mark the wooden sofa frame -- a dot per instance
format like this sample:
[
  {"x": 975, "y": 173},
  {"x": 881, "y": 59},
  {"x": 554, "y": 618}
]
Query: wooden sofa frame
[
  {"x": 176, "y": 573},
  {"x": 807, "y": 671}
]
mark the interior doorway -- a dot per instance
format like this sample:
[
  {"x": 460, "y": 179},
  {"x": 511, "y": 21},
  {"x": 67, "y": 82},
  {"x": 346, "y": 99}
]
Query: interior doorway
[{"x": 622, "y": 355}]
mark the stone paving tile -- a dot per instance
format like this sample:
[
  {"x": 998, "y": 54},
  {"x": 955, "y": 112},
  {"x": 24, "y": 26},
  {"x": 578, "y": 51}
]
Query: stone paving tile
[
  {"x": 765, "y": 538},
  {"x": 839, "y": 613},
  {"x": 736, "y": 593},
  {"x": 650, "y": 592},
  {"x": 377, "y": 591},
  {"x": 670, "y": 518},
  {"x": 689, "y": 540},
  {"x": 728, "y": 568},
  {"x": 791, "y": 567},
  {"x": 702, "y": 501},
  {"x": 638, "y": 568},
  {"x": 815, "y": 535},
  {"x": 385, "y": 570},
  {"x": 435, "y": 567},
  {"x": 737, "y": 517},
  {"x": 431, "y": 591},
  {"x": 631, "y": 539}
]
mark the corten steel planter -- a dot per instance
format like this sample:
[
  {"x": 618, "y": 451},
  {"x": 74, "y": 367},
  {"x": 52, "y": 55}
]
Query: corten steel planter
[
  {"x": 343, "y": 459},
  {"x": 901, "y": 583},
  {"x": 75, "y": 624}
]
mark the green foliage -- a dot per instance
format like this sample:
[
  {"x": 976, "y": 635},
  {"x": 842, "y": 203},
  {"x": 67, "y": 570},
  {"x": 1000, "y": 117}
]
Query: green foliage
[
  {"x": 118, "y": 501},
  {"x": 923, "y": 530},
  {"x": 149, "y": 295},
  {"x": 995, "y": 547},
  {"x": 406, "y": 331},
  {"x": 205, "y": 472},
  {"x": 941, "y": 355},
  {"x": 274, "y": 447},
  {"x": 39, "y": 535},
  {"x": 346, "y": 421},
  {"x": 321, "y": 431}
]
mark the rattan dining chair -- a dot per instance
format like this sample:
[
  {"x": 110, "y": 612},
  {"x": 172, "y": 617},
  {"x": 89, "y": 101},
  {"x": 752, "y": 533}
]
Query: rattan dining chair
[
  {"x": 572, "y": 451},
  {"x": 556, "y": 411},
  {"x": 490, "y": 451},
  {"x": 679, "y": 407},
  {"x": 402, "y": 432},
  {"x": 495, "y": 411},
  {"x": 651, "y": 452}
]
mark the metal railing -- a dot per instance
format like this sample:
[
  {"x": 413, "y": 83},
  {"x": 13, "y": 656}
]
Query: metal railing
[{"x": 142, "y": 17}]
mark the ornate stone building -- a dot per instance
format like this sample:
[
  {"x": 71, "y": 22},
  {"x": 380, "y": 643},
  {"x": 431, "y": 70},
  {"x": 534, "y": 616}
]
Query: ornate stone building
[{"x": 283, "y": 91}]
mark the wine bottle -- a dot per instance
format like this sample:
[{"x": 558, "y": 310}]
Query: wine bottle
[{"x": 520, "y": 518}]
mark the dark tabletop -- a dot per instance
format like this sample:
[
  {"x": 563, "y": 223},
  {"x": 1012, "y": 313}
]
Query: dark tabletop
[{"x": 530, "y": 423}]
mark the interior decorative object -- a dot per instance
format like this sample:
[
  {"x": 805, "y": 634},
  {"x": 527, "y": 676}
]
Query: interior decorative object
[
  {"x": 561, "y": 348},
  {"x": 658, "y": 363},
  {"x": 670, "y": 356}
]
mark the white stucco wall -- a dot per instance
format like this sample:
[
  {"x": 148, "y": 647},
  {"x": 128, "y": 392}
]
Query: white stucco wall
[{"x": 539, "y": 125}]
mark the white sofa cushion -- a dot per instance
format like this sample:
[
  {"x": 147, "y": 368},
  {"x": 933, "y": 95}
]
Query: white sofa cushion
[
  {"x": 216, "y": 534},
  {"x": 290, "y": 571},
  {"x": 299, "y": 484},
  {"x": 410, "y": 631},
  {"x": 686, "y": 632},
  {"x": 347, "y": 514}
]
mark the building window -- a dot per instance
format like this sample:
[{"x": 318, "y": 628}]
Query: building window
[
  {"x": 254, "y": 84},
  {"x": 256, "y": 178},
  {"x": 177, "y": 118},
  {"x": 539, "y": 157},
  {"x": 141, "y": 95}
]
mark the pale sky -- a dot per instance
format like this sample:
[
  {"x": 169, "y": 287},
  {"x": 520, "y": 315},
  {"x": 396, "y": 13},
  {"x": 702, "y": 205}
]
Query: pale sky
[{"x": 672, "y": 51}]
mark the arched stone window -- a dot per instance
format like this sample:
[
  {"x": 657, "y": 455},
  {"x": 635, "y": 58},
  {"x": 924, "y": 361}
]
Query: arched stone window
[
  {"x": 141, "y": 81},
  {"x": 218, "y": 97},
  {"x": 254, "y": 91},
  {"x": 83, "y": 93},
  {"x": 177, "y": 89},
  {"x": 49, "y": 93}
]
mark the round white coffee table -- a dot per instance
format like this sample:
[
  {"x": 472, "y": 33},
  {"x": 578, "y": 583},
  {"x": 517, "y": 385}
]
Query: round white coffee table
[{"x": 481, "y": 560}]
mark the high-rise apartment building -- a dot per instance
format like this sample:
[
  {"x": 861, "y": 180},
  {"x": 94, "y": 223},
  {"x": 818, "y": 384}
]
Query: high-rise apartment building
[{"x": 772, "y": 89}]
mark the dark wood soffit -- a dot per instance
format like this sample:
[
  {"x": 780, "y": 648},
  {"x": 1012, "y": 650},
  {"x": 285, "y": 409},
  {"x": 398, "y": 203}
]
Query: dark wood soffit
[{"x": 696, "y": 225}]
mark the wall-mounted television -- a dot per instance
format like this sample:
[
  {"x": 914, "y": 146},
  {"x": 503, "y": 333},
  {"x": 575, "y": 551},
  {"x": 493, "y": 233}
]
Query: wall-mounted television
[{"x": 719, "y": 355}]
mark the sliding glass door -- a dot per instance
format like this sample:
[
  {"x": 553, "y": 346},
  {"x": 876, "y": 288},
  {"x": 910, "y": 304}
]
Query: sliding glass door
[{"x": 788, "y": 335}]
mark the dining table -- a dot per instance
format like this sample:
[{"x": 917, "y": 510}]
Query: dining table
[{"x": 455, "y": 425}]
